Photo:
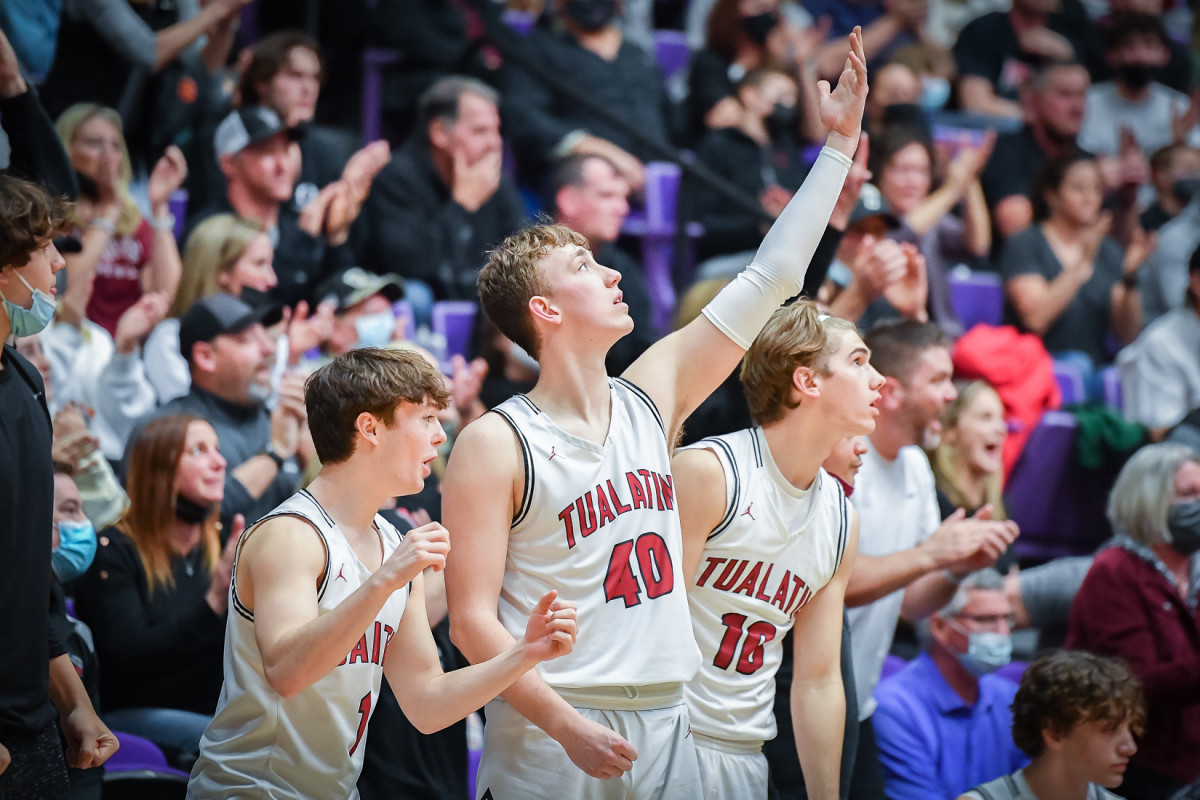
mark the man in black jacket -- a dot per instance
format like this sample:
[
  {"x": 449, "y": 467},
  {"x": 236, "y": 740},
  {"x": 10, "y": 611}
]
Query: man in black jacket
[
  {"x": 31, "y": 756},
  {"x": 442, "y": 202}
]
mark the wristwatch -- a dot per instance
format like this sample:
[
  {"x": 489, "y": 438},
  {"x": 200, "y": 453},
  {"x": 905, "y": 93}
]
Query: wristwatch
[
  {"x": 274, "y": 456},
  {"x": 166, "y": 223}
]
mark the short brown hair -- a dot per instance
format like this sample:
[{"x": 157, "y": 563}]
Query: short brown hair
[
  {"x": 1066, "y": 688},
  {"x": 510, "y": 279},
  {"x": 29, "y": 217},
  {"x": 897, "y": 344},
  {"x": 794, "y": 336},
  {"x": 368, "y": 380},
  {"x": 269, "y": 56}
]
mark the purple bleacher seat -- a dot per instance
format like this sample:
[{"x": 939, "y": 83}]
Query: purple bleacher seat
[
  {"x": 139, "y": 770},
  {"x": 177, "y": 203},
  {"x": 521, "y": 22},
  {"x": 977, "y": 297},
  {"x": 403, "y": 312},
  {"x": 656, "y": 225},
  {"x": 671, "y": 50},
  {"x": 374, "y": 59},
  {"x": 455, "y": 320},
  {"x": 1049, "y": 497},
  {"x": 891, "y": 665},
  {"x": 1112, "y": 387},
  {"x": 1070, "y": 382}
]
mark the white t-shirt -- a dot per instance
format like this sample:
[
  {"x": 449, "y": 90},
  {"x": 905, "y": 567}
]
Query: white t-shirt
[
  {"x": 897, "y": 508},
  {"x": 1160, "y": 372},
  {"x": 1015, "y": 787},
  {"x": 1149, "y": 119}
]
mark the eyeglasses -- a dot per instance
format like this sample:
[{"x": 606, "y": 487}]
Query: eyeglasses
[{"x": 990, "y": 620}]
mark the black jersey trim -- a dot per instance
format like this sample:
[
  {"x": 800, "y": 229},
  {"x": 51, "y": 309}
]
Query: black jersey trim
[
  {"x": 645, "y": 398},
  {"x": 758, "y": 458},
  {"x": 843, "y": 530},
  {"x": 732, "y": 507},
  {"x": 527, "y": 462},
  {"x": 237, "y": 602}
]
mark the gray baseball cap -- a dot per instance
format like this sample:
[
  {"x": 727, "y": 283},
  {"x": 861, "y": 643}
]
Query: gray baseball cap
[{"x": 246, "y": 126}]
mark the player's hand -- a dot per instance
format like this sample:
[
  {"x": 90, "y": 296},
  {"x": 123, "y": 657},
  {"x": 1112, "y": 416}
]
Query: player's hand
[
  {"x": 597, "y": 750},
  {"x": 552, "y": 628},
  {"x": 842, "y": 108},
  {"x": 426, "y": 546},
  {"x": 89, "y": 741}
]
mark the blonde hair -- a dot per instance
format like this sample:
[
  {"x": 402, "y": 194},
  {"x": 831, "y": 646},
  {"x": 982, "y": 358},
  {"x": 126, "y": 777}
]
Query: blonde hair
[
  {"x": 211, "y": 251},
  {"x": 795, "y": 336},
  {"x": 68, "y": 126},
  {"x": 945, "y": 462},
  {"x": 510, "y": 279}
]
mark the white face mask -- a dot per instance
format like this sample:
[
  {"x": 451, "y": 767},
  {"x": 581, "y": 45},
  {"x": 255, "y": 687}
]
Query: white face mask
[
  {"x": 375, "y": 330},
  {"x": 987, "y": 651}
]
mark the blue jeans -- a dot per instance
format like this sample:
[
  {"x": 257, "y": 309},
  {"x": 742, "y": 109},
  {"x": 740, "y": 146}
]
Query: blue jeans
[{"x": 176, "y": 732}]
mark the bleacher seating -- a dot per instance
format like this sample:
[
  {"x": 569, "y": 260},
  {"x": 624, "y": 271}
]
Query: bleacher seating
[
  {"x": 977, "y": 297},
  {"x": 139, "y": 771}
]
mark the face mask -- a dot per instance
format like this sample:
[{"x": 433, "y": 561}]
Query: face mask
[
  {"x": 1135, "y": 76},
  {"x": 591, "y": 15},
  {"x": 987, "y": 651},
  {"x": 1183, "y": 521},
  {"x": 781, "y": 122},
  {"x": 28, "y": 321},
  {"x": 1185, "y": 189},
  {"x": 76, "y": 549},
  {"x": 375, "y": 330},
  {"x": 758, "y": 27},
  {"x": 935, "y": 93},
  {"x": 190, "y": 512}
]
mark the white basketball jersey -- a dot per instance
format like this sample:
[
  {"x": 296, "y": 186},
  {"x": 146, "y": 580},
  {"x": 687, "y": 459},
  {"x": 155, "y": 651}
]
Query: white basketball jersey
[
  {"x": 261, "y": 744},
  {"x": 774, "y": 549},
  {"x": 598, "y": 523}
]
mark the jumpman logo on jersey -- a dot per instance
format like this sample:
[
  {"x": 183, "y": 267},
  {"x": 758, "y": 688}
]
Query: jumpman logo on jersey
[
  {"x": 747, "y": 513},
  {"x": 553, "y": 454},
  {"x": 341, "y": 571}
]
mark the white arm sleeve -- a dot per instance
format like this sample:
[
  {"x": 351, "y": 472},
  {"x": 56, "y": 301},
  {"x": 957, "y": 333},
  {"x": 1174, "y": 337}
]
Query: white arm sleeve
[{"x": 777, "y": 271}]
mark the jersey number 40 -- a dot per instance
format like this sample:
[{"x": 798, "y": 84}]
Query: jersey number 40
[{"x": 653, "y": 562}]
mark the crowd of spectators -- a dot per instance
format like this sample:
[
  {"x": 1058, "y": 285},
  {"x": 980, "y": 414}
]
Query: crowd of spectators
[{"x": 228, "y": 229}]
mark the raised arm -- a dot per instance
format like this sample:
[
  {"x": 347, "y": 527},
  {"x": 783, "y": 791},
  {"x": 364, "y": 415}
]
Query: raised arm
[
  {"x": 818, "y": 697},
  {"x": 684, "y": 368},
  {"x": 277, "y": 575},
  {"x": 484, "y": 481}
]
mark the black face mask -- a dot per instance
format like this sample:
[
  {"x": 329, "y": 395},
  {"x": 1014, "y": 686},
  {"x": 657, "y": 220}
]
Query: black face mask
[
  {"x": 190, "y": 512},
  {"x": 1184, "y": 189},
  {"x": 1183, "y": 521},
  {"x": 87, "y": 186},
  {"x": 759, "y": 26},
  {"x": 781, "y": 122},
  {"x": 591, "y": 15},
  {"x": 1135, "y": 76}
]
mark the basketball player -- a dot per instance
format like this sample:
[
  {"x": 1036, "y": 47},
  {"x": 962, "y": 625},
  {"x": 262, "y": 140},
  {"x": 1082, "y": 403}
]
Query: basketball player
[
  {"x": 768, "y": 542},
  {"x": 322, "y": 586},
  {"x": 570, "y": 488}
]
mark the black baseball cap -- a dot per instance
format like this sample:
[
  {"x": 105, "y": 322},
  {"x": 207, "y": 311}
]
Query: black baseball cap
[
  {"x": 246, "y": 126},
  {"x": 871, "y": 203},
  {"x": 354, "y": 285},
  {"x": 220, "y": 314}
]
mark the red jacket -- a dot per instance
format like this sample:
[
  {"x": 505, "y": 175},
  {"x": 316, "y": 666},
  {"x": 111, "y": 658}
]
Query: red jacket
[
  {"x": 1022, "y": 372},
  {"x": 1129, "y": 609}
]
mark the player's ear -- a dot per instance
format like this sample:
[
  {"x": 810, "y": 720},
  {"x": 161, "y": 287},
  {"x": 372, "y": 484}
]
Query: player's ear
[
  {"x": 367, "y": 425},
  {"x": 804, "y": 381},
  {"x": 541, "y": 308}
]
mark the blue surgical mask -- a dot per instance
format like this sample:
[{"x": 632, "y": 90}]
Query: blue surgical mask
[
  {"x": 987, "y": 651},
  {"x": 935, "y": 92},
  {"x": 76, "y": 549},
  {"x": 28, "y": 321},
  {"x": 375, "y": 330}
]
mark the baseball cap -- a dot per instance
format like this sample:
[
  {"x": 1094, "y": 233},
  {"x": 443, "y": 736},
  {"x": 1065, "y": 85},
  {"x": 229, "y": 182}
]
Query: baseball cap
[
  {"x": 220, "y": 314},
  {"x": 246, "y": 126},
  {"x": 354, "y": 285},
  {"x": 871, "y": 204}
]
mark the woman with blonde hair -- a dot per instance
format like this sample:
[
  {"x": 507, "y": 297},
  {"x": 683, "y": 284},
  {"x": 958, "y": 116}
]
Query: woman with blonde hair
[
  {"x": 124, "y": 255},
  {"x": 156, "y": 595},
  {"x": 968, "y": 462},
  {"x": 225, "y": 253}
]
